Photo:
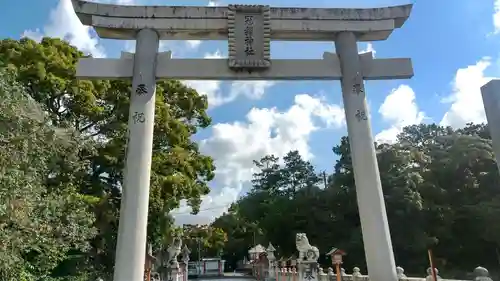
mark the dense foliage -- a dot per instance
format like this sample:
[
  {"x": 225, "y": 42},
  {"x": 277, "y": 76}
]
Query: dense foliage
[
  {"x": 203, "y": 240},
  {"x": 43, "y": 219},
  {"x": 88, "y": 172},
  {"x": 439, "y": 184}
]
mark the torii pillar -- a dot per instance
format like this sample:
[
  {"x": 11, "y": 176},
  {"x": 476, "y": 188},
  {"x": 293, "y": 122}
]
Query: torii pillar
[
  {"x": 249, "y": 30},
  {"x": 132, "y": 228},
  {"x": 371, "y": 204},
  {"x": 491, "y": 102}
]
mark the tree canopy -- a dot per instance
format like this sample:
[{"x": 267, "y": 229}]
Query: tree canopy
[{"x": 43, "y": 218}]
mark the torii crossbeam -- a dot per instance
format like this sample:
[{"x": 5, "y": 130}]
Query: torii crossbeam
[
  {"x": 327, "y": 68},
  {"x": 249, "y": 30}
]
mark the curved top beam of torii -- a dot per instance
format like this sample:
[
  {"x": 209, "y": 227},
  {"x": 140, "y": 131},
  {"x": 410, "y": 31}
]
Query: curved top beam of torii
[{"x": 211, "y": 23}]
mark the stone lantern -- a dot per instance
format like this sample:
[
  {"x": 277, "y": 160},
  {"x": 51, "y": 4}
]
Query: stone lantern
[
  {"x": 270, "y": 252},
  {"x": 336, "y": 255},
  {"x": 185, "y": 254}
]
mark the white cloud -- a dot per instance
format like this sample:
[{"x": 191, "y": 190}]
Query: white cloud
[
  {"x": 265, "y": 131},
  {"x": 399, "y": 109},
  {"x": 369, "y": 48},
  {"x": 466, "y": 101},
  {"x": 213, "y": 205},
  {"x": 193, "y": 44},
  {"x": 496, "y": 16},
  {"x": 212, "y": 3},
  {"x": 63, "y": 23},
  {"x": 212, "y": 88},
  {"x": 209, "y": 88},
  {"x": 249, "y": 89},
  {"x": 130, "y": 46}
]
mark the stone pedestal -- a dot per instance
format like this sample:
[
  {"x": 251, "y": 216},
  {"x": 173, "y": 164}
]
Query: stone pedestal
[
  {"x": 307, "y": 263},
  {"x": 308, "y": 271},
  {"x": 174, "y": 274}
]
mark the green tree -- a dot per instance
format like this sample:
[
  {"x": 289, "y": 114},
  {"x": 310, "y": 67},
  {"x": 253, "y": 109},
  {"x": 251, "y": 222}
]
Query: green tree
[
  {"x": 203, "y": 240},
  {"x": 99, "y": 110},
  {"x": 43, "y": 219},
  {"x": 459, "y": 178},
  {"x": 297, "y": 173},
  {"x": 241, "y": 236}
]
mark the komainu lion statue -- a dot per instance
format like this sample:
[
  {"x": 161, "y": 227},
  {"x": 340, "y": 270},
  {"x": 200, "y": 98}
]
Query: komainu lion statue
[
  {"x": 174, "y": 250},
  {"x": 306, "y": 251}
]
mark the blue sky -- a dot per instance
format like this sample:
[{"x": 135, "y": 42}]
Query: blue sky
[{"x": 453, "y": 44}]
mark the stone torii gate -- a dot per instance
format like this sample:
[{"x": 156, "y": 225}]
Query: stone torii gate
[{"x": 249, "y": 30}]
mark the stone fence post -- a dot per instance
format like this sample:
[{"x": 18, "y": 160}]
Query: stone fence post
[
  {"x": 271, "y": 271},
  {"x": 480, "y": 274}
]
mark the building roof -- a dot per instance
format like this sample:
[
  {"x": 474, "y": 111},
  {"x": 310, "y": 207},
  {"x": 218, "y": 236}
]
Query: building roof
[{"x": 257, "y": 249}]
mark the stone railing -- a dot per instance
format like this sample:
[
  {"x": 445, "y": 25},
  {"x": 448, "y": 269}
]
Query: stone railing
[
  {"x": 305, "y": 267},
  {"x": 291, "y": 274},
  {"x": 284, "y": 274}
]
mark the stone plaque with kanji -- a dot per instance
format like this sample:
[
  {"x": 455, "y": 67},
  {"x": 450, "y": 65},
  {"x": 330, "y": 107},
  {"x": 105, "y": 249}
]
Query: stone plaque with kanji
[{"x": 249, "y": 32}]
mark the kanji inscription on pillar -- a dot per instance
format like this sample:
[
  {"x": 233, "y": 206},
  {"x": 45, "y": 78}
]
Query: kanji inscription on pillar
[
  {"x": 361, "y": 115},
  {"x": 309, "y": 275},
  {"x": 138, "y": 117},
  {"x": 141, "y": 90},
  {"x": 249, "y": 31},
  {"x": 357, "y": 88}
]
